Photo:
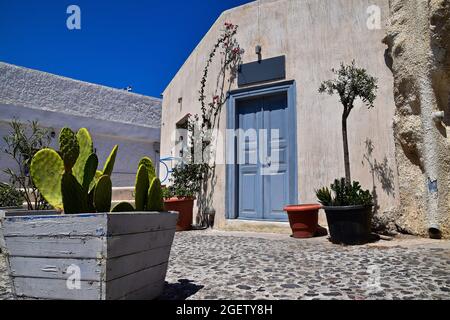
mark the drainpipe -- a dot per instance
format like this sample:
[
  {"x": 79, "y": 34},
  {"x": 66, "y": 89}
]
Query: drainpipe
[
  {"x": 430, "y": 156},
  {"x": 430, "y": 117}
]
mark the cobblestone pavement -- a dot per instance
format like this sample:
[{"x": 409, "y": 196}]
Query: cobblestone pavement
[
  {"x": 217, "y": 265},
  {"x": 231, "y": 265}
]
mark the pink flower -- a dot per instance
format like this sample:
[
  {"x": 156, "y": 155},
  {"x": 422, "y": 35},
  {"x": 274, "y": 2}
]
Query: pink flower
[{"x": 229, "y": 25}]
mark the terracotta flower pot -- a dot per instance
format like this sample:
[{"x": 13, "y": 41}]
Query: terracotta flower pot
[
  {"x": 184, "y": 207},
  {"x": 303, "y": 219}
]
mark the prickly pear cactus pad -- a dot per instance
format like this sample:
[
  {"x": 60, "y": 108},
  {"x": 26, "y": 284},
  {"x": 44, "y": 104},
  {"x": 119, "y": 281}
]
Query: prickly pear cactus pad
[
  {"x": 103, "y": 194},
  {"x": 89, "y": 172},
  {"x": 69, "y": 148},
  {"x": 141, "y": 188},
  {"x": 86, "y": 149},
  {"x": 109, "y": 165},
  {"x": 147, "y": 162},
  {"x": 73, "y": 195},
  {"x": 155, "y": 201},
  {"x": 47, "y": 169},
  {"x": 98, "y": 175}
]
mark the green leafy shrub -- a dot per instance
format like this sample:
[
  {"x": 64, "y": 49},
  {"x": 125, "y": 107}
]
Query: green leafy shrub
[
  {"x": 186, "y": 181},
  {"x": 344, "y": 194},
  {"x": 22, "y": 142},
  {"x": 10, "y": 196}
]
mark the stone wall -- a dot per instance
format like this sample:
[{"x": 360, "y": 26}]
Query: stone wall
[{"x": 419, "y": 48}]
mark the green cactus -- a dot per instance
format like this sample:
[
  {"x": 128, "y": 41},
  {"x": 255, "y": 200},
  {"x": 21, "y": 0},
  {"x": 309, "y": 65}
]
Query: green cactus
[
  {"x": 47, "y": 169},
  {"x": 89, "y": 172},
  {"x": 97, "y": 176},
  {"x": 109, "y": 164},
  {"x": 69, "y": 179},
  {"x": 73, "y": 196},
  {"x": 123, "y": 207},
  {"x": 90, "y": 200},
  {"x": 155, "y": 200},
  {"x": 86, "y": 150},
  {"x": 141, "y": 188},
  {"x": 69, "y": 148},
  {"x": 148, "y": 192},
  {"x": 147, "y": 162},
  {"x": 103, "y": 194}
]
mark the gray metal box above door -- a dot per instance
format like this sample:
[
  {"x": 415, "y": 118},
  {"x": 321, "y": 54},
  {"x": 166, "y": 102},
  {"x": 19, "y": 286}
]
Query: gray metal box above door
[{"x": 262, "y": 71}]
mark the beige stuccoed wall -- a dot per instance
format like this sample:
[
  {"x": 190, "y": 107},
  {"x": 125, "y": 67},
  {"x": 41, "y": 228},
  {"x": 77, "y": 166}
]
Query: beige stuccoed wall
[{"x": 315, "y": 36}]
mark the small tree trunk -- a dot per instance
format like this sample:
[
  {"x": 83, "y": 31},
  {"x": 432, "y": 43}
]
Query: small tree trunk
[{"x": 346, "y": 154}]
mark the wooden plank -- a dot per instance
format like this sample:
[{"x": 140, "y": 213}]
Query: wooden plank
[
  {"x": 61, "y": 225},
  {"x": 42, "y": 248},
  {"x": 27, "y": 213},
  {"x": 137, "y": 222},
  {"x": 125, "y": 265},
  {"x": 90, "y": 269},
  {"x": 55, "y": 247},
  {"x": 149, "y": 292},
  {"x": 133, "y": 243},
  {"x": 56, "y": 289},
  {"x": 121, "y": 287},
  {"x": 2, "y": 238},
  {"x": 2, "y": 241}
]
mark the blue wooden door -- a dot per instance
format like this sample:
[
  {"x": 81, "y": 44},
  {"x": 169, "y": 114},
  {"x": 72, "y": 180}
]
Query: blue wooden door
[
  {"x": 275, "y": 158},
  {"x": 250, "y": 186},
  {"x": 262, "y": 145}
]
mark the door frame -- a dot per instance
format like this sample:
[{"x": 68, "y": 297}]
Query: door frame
[{"x": 289, "y": 87}]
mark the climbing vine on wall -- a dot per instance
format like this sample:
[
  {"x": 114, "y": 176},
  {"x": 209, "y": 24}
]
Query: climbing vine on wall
[
  {"x": 230, "y": 58},
  {"x": 228, "y": 53}
]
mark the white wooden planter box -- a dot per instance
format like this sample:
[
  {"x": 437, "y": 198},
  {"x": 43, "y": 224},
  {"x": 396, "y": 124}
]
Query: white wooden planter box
[{"x": 89, "y": 256}]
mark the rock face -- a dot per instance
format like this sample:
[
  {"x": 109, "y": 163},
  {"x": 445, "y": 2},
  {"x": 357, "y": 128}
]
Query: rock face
[{"x": 418, "y": 38}]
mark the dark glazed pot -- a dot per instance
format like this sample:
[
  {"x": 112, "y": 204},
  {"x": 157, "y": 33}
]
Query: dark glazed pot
[
  {"x": 349, "y": 225},
  {"x": 184, "y": 207},
  {"x": 303, "y": 219}
]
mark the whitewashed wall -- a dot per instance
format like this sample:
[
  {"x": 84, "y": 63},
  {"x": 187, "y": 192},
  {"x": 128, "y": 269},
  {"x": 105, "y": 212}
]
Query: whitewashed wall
[{"x": 112, "y": 116}]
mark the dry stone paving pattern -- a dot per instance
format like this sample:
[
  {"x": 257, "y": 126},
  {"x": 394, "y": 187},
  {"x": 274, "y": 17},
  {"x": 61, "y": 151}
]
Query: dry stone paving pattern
[
  {"x": 232, "y": 265},
  {"x": 218, "y": 265}
]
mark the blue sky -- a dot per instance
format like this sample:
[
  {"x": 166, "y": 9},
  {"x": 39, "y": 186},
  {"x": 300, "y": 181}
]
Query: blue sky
[{"x": 141, "y": 43}]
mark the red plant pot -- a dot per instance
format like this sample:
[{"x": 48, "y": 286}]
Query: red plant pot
[
  {"x": 303, "y": 219},
  {"x": 184, "y": 207}
]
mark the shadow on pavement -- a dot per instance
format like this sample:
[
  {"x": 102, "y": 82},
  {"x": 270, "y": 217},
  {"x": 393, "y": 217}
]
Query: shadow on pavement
[{"x": 181, "y": 290}]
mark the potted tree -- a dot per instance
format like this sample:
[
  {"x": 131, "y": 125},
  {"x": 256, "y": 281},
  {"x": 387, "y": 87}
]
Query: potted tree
[
  {"x": 10, "y": 197},
  {"x": 88, "y": 250},
  {"x": 180, "y": 195},
  {"x": 349, "y": 209}
]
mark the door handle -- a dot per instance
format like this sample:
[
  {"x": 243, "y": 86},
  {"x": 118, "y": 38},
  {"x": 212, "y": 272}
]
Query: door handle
[{"x": 267, "y": 163}]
